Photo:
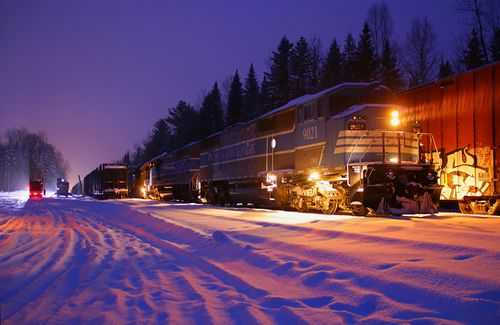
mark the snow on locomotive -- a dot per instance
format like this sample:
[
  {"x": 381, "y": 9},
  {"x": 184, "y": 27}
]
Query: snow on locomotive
[{"x": 346, "y": 147}]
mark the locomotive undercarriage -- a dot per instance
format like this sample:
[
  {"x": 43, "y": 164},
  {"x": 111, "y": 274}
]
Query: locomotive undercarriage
[
  {"x": 401, "y": 189},
  {"x": 384, "y": 189}
]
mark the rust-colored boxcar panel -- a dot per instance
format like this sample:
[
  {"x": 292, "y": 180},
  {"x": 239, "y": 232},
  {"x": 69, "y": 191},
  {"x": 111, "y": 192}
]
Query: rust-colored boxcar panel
[
  {"x": 420, "y": 108},
  {"x": 449, "y": 117},
  {"x": 483, "y": 108},
  {"x": 433, "y": 111},
  {"x": 465, "y": 110},
  {"x": 496, "y": 125}
]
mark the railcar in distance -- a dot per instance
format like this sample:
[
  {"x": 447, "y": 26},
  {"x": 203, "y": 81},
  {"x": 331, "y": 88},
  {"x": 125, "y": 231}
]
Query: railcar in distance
[
  {"x": 108, "y": 181},
  {"x": 36, "y": 189}
]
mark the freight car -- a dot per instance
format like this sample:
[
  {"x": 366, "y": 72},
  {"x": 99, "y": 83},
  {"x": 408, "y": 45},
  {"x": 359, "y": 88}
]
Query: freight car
[
  {"x": 463, "y": 113},
  {"x": 108, "y": 181},
  {"x": 344, "y": 147}
]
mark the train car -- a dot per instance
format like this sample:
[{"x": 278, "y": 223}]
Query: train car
[
  {"x": 463, "y": 112},
  {"x": 108, "y": 181},
  {"x": 173, "y": 175},
  {"x": 345, "y": 147}
]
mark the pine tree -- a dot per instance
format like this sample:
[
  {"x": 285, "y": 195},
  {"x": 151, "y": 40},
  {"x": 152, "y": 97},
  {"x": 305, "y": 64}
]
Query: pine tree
[
  {"x": 160, "y": 140},
  {"x": 473, "y": 55},
  {"x": 332, "y": 69},
  {"x": 211, "y": 112},
  {"x": 348, "y": 69},
  {"x": 126, "y": 158},
  {"x": 265, "y": 97},
  {"x": 138, "y": 155},
  {"x": 316, "y": 61},
  {"x": 235, "y": 101},
  {"x": 300, "y": 68},
  {"x": 366, "y": 61},
  {"x": 390, "y": 75},
  {"x": 184, "y": 120},
  {"x": 445, "y": 69},
  {"x": 250, "y": 95},
  {"x": 495, "y": 45},
  {"x": 279, "y": 75}
]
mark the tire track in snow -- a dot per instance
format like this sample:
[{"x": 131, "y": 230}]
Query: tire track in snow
[{"x": 124, "y": 266}]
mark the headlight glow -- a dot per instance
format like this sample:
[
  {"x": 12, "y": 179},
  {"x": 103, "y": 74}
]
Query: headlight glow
[
  {"x": 395, "y": 121},
  {"x": 314, "y": 176}
]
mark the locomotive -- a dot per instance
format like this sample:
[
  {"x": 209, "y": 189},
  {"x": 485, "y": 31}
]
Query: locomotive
[
  {"x": 173, "y": 175},
  {"x": 107, "y": 181},
  {"x": 347, "y": 147}
]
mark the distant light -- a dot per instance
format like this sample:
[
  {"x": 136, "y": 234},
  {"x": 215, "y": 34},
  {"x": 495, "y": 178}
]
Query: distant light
[
  {"x": 394, "y": 160},
  {"x": 273, "y": 143}
]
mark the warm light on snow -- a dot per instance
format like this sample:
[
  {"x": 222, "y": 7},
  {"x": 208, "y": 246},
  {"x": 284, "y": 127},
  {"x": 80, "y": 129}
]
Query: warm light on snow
[{"x": 75, "y": 260}]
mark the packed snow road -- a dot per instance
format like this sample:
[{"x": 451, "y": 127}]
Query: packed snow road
[{"x": 84, "y": 261}]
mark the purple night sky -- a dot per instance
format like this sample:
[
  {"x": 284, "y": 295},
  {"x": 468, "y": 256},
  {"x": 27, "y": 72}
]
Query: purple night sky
[{"x": 95, "y": 75}]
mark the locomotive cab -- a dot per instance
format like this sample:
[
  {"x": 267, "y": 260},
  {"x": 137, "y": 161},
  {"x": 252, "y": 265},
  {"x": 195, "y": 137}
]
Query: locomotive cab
[{"x": 389, "y": 170}]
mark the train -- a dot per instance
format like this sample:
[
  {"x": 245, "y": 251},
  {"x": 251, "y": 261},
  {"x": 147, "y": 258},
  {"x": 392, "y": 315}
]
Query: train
[
  {"x": 348, "y": 147},
  {"x": 107, "y": 181}
]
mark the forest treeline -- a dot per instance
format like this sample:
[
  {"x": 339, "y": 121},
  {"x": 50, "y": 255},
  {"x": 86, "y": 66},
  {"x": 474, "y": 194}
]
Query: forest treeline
[
  {"x": 300, "y": 67},
  {"x": 25, "y": 155}
]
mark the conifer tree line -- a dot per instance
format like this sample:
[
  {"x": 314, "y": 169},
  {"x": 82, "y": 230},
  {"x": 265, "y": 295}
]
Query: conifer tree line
[{"x": 302, "y": 67}]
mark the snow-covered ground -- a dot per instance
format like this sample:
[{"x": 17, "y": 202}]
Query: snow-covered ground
[{"x": 135, "y": 261}]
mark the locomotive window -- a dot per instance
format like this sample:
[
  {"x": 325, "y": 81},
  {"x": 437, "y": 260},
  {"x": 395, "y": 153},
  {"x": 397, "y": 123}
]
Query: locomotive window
[
  {"x": 340, "y": 103},
  {"x": 309, "y": 112}
]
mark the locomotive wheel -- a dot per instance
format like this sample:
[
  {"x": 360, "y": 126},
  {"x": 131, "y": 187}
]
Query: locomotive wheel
[
  {"x": 359, "y": 210},
  {"x": 494, "y": 208},
  {"x": 464, "y": 207},
  {"x": 332, "y": 207},
  {"x": 211, "y": 197},
  {"x": 301, "y": 205}
]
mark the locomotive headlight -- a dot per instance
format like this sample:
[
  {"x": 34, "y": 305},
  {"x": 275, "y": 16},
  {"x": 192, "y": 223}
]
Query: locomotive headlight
[
  {"x": 394, "y": 160},
  {"x": 314, "y": 176},
  {"x": 395, "y": 121}
]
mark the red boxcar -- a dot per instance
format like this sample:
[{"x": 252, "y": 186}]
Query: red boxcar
[{"x": 463, "y": 113}]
